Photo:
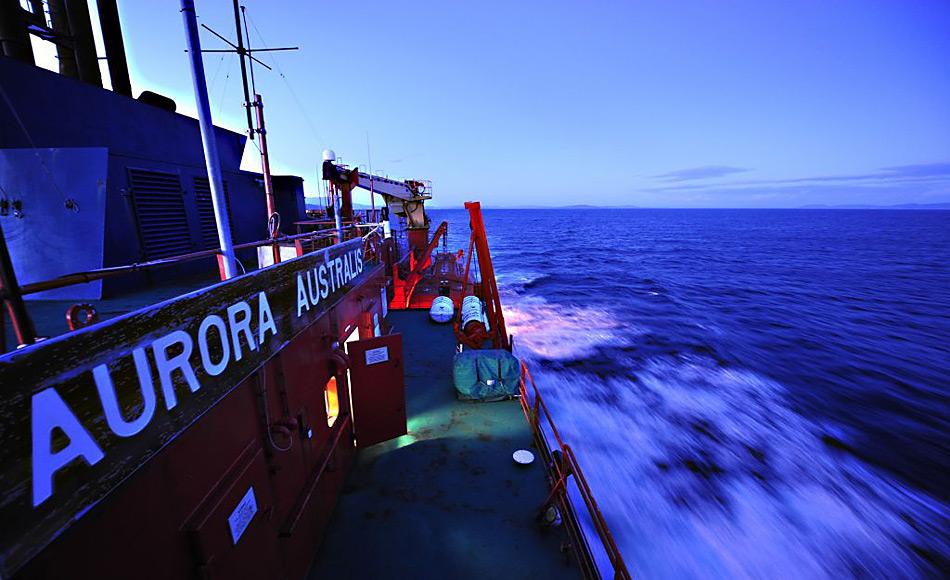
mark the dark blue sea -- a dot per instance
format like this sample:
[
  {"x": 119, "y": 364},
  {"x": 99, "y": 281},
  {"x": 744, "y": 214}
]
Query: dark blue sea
[{"x": 752, "y": 393}]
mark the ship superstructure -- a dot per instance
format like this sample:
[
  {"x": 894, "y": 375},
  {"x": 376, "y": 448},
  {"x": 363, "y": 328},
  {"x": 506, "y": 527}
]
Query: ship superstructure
[{"x": 163, "y": 418}]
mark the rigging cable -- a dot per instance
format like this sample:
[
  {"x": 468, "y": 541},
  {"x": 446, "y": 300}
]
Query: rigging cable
[
  {"x": 324, "y": 197},
  {"x": 217, "y": 70},
  {"x": 224, "y": 89},
  {"x": 29, "y": 138},
  {"x": 310, "y": 124}
]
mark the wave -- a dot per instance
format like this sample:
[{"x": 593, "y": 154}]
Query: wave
[
  {"x": 707, "y": 471},
  {"x": 702, "y": 464},
  {"x": 518, "y": 282},
  {"x": 543, "y": 330}
]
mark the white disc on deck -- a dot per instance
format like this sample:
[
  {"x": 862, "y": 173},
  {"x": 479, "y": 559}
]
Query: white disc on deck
[
  {"x": 523, "y": 457},
  {"x": 442, "y": 309}
]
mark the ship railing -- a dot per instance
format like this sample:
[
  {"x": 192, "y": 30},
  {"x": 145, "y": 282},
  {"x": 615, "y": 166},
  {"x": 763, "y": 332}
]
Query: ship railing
[
  {"x": 563, "y": 467},
  {"x": 85, "y": 314},
  {"x": 373, "y": 241},
  {"x": 112, "y": 271},
  {"x": 377, "y": 229}
]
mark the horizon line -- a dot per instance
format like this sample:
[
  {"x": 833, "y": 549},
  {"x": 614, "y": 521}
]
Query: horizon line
[{"x": 940, "y": 205}]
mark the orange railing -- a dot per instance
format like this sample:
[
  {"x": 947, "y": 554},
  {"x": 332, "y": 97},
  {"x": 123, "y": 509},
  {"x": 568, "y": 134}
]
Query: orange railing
[{"x": 564, "y": 468}]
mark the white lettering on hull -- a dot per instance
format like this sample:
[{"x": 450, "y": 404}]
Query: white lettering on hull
[
  {"x": 49, "y": 413},
  {"x": 110, "y": 402},
  {"x": 316, "y": 284},
  {"x": 53, "y": 420},
  {"x": 214, "y": 368}
]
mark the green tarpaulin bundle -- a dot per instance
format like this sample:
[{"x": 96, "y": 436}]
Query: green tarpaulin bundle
[{"x": 486, "y": 375}]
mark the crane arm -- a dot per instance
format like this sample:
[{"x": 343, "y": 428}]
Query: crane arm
[{"x": 408, "y": 190}]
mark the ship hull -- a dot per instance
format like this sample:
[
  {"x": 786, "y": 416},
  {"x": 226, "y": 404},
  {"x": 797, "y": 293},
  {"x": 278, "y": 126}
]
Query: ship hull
[{"x": 239, "y": 477}]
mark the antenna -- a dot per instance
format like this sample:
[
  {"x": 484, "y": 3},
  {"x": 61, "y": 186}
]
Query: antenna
[
  {"x": 240, "y": 47},
  {"x": 372, "y": 189},
  {"x": 244, "y": 52},
  {"x": 273, "y": 218}
]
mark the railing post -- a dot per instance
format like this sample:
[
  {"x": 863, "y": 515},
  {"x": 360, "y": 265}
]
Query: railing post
[
  {"x": 12, "y": 298},
  {"x": 536, "y": 415}
]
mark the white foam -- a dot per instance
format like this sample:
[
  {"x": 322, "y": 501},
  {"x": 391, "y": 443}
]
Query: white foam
[
  {"x": 803, "y": 510},
  {"x": 516, "y": 280},
  {"x": 545, "y": 330},
  {"x": 706, "y": 471}
]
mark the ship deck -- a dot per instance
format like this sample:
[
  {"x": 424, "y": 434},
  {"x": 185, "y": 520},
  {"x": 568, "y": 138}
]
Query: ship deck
[
  {"x": 446, "y": 500},
  {"x": 49, "y": 316}
]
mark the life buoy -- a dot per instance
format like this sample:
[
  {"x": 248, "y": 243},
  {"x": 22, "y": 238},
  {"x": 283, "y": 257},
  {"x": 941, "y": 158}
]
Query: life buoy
[{"x": 80, "y": 315}]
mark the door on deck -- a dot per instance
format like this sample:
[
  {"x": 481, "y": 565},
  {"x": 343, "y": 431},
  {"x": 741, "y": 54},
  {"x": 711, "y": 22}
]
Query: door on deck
[{"x": 377, "y": 389}]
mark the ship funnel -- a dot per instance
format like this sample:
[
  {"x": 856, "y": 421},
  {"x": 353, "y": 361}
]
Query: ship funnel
[
  {"x": 67, "y": 25},
  {"x": 115, "y": 47}
]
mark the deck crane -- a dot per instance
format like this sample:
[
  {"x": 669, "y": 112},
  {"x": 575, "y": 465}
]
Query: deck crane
[
  {"x": 420, "y": 271},
  {"x": 404, "y": 199},
  {"x": 405, "y": 202}
]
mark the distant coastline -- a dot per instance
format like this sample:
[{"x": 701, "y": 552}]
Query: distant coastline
[
  {"x": 902, "y": 206},
  {"x": 867, "y": 206}
]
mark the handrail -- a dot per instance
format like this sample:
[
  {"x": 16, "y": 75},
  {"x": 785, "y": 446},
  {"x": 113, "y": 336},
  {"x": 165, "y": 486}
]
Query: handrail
[
  {"x": 532, "y": 414},
  {"x": 424, "y": 258},
  {"x": 372, "y": 241},
  {"x": 101, "y": 273},
  {"x": 376, "y": 228},
  {"x": 113, "y": 271}
]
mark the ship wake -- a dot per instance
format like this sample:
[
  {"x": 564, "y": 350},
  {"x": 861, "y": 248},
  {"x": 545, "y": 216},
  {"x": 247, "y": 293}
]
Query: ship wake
[{"x": 705, "y": 470}]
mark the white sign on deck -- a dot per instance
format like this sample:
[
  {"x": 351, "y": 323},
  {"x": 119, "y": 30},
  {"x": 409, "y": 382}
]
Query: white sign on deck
[
  {"x": 242, "y": 515},
  {"x": 374, "y": 356}
]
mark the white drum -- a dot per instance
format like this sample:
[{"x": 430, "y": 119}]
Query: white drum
[
  {"x": 471, "y": 310},
  {"x": 442, "y": 309}
]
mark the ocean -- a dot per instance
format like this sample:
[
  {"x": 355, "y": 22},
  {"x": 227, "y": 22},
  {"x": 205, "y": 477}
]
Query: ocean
[{"x": 751, "y": 393}]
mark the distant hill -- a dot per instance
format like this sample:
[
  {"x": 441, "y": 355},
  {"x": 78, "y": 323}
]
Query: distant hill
[
  {"x": 312, "y": 205},
  {"x": 588, "y": 206},
  {"x": 945, "y": 205},
  {"x": 577, "y": 206},
  {"x": 908, "y": 206}
]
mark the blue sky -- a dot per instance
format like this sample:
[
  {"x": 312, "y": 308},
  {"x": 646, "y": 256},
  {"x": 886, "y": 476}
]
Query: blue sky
[{"x": 651, "y": 103}]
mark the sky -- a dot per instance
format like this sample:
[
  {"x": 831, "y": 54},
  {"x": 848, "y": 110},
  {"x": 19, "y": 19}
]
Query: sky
[{"x": 644, "y": 103}]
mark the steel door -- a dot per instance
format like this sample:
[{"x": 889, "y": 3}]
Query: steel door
[{"x": 377, "y": 389}]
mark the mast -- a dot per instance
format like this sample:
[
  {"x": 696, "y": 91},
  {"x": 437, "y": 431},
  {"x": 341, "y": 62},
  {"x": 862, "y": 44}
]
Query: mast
[
  {"x": 372, "y": 189},
  {"x": 240, "y": 53},
  {"x": 268, "y": 182},
  {"x": 244, "y": 50},
  {"x": 273, "y": 218},
  {"x": 258, "y": 104},
  {"x": 208, "y": 140}
]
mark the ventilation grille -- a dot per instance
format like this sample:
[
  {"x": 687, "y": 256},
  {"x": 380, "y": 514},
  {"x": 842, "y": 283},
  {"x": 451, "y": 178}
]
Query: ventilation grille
[
  {"x": 209, "y": 230},
  {"x": 160, "y": 213}
]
